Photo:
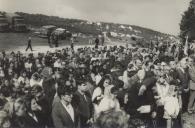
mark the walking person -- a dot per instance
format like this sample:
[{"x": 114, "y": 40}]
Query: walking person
[
  {"x": 29, "y": 44},
  {"x": 97, "y": 43},
  {"x": 72, "y": 43}
]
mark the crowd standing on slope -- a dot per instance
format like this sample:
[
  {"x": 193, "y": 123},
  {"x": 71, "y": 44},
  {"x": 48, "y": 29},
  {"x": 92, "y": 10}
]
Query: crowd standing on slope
[{"x": 98, "y": 87}]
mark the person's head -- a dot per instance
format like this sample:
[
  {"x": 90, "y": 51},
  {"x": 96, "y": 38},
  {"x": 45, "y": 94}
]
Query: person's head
[
  {"x": 82, "y": 85},
  {"x": 4, "y": 120},
  {"x": 23, "y": 74},
  {"x": 141, "y": 74},
  {"x": 112, "y": 119},
  {"x": 58, "y": 60},
  {"x": 191, "y": 60},
  {"x": 64, "y": 93},
  {"x": 114, "y": 92},
  {"x": 10, "y": 72},
  {"x": 138, "y": 63},
  {"x": 172, "y": 64},
  {"x": 19, "y": 107},
  {"x": 31, "y": 104},
  {"x": 15, "y": 75},
  {"x": 183, "y": 63},
  {"x": 37, "y": 92},
  {"x": 6, "y": 82},
  {"x": 130, "y": 66},
  {"x": 35, "y": 76},
  {"x": 105, "y": 81},
  {"x": 147, "y": 65}
]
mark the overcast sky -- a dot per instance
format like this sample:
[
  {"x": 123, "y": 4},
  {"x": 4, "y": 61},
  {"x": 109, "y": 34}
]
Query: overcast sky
[{"x": 161, "y": 15}]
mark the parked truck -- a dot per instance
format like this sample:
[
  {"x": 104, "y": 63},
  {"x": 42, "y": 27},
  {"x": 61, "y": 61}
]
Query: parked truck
[
  {"x": 4, "y": 26},
  {"x": 46, "y": 31},
  {"x": 16, "y": 22}
]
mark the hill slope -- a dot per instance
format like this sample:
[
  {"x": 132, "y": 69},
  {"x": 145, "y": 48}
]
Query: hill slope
[{"x": 87, "y": 27}]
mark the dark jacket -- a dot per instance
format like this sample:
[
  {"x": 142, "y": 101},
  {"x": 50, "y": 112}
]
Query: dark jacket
[
  {"x": 184, "y": 78},
  {"x": 60, "y": 116},
  {"x": 83, "y": 106},
  {"x": 135, "y": 101},
  {"x": 26, "y": 122}
]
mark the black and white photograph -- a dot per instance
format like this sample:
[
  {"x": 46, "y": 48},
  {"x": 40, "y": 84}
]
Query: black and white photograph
[{"x": 97, "y": 63}]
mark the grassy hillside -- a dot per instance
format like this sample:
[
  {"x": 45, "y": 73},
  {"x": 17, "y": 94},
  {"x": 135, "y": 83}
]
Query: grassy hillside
[{"x": 86, "y": 27}]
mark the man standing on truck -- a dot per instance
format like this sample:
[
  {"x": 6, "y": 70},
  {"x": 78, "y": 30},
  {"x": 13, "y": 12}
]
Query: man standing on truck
[{"x": 29, "y": 44}]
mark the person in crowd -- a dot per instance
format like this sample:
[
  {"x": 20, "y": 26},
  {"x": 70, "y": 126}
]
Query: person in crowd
[
  {"x": 112, "y": 119},
  {"x": 82, "y": 99},
  {"x": 101, "y": 91},
  {"x": 20, "y": 118},
  {"x": 33, "y": 112},
  {"x": 109, "y": 101},
  {"x": 23, "y": 79},
  {"x": 45, "y": 112},
  {"x": 63, "y": 113},
  {"x": 167, "y": 101},
  {"x": 191, "y": 105},
  {"x": 141, "y": 91},
  {"x": 36, "y": 80},
  {"x": 142, "y": 84},
  {"x": 183, "y": 77},
  {"x": 5, "y": 121}
]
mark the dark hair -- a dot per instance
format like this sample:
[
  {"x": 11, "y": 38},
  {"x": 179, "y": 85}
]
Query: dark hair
[
  {"x": 28, "y": 99},
  {"x": 105, "y": 77},
  {"x": 63, "y": 90},
  {"x": 79, "y": 82},
  {"x": 20, "y": 101},
  {"x": 6, "y": 91},
  {"x": 36, "y": 89}
]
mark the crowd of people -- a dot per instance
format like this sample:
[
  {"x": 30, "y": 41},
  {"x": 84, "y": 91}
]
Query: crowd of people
[{"x": 98, "y": 87}]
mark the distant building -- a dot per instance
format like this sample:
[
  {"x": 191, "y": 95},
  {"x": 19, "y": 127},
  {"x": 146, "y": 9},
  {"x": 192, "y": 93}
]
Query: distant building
[
  {"x": 16, "y": 22},
  {"x": 4, "y": 25}
]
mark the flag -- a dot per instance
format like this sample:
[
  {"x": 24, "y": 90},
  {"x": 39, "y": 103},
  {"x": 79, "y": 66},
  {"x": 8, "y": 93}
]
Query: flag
[{"x": 186, "y": 47}]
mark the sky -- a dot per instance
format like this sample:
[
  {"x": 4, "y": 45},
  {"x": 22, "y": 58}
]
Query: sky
[{"x": 160, "y": 15}]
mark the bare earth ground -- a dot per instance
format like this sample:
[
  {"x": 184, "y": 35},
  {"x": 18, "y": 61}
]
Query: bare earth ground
[
  {"x": 18, "y": 41},
  {"x": 15, "y": 41},
  {"x": 188, "y": 120}
]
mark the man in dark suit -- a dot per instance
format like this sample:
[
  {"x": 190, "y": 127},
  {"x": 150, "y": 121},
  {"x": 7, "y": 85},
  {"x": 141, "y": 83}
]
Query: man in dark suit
[
  {"x": 191, "y": 71},
  {"x": 82, "y": 102},
  {"x": 183, "y": 76},
  {"x": 63, "y": 113},
  {"x": 141, "y": 91}
]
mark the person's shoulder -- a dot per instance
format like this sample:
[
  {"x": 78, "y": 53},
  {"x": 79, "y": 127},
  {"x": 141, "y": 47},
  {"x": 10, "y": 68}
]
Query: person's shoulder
[{"x": 76, "y": 94}]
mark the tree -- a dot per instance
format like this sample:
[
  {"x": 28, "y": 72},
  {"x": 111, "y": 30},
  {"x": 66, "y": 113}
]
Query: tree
[{"x": 187, "y": 25}]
